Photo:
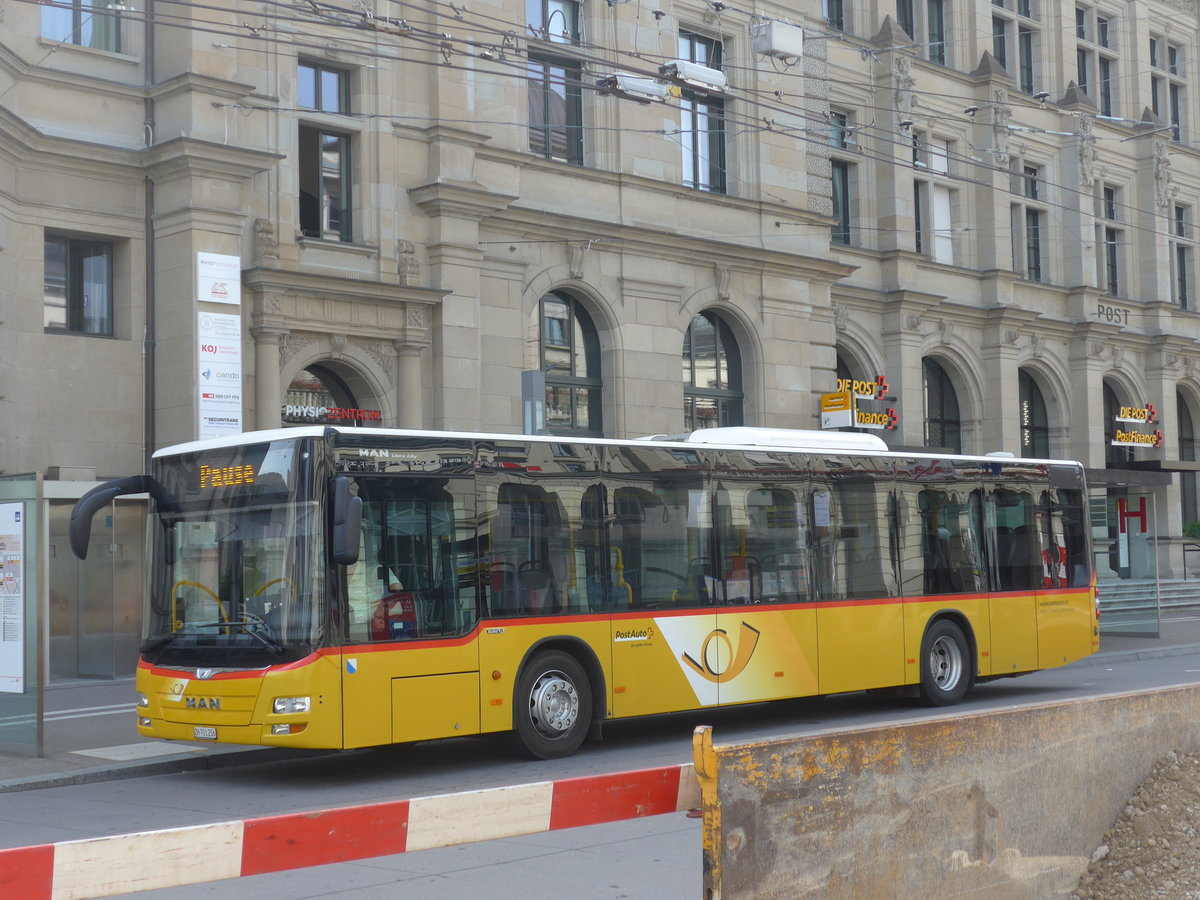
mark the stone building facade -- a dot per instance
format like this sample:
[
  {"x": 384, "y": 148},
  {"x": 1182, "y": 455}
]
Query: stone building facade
[{"x": 989, "y": 204}]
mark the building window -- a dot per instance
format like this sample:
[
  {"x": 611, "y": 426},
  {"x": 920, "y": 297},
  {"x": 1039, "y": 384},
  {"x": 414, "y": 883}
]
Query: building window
[
  {"x": 83, "y": 23},
  {"x": 321, "y": 88},
  {"x": 840, "y": 131},
  {"x": 78, "y": 285},
  {"x": 906, "y": 16},
  {"x": 556, "y": 109},
  {"x": 1028, "y": 218},
  {"x": 1188, "y": 500},
  {"x": 702, "y": 125},
  {"x": 1035, "y": 429},
  {"x": 919, "y": 203},
  {"x": 1182, "y": 254},
  {"x": 570, "y": 358},
  {"x": 925, "y": 22},
  {"x": 943, "y": 427},
  {"x": 839, "y": 233},
  {"x": 324, "y": 184},
  {"x": 936, "y": 23},
  {"x": 712, "y": 374},
  {"x": 834, "y": 13},
  {"x": 1168, "y": 87},
  {"x": 1113, "y": 456},
  {"x": 1110, "y": 237},
  {"x": 556, "y": 21},
  {"x": 937, "y": 194},
  {"x": 1000, "y": 40},
  {"x": 324, "y": 155},
  {"x": 1096, "y": 58}
]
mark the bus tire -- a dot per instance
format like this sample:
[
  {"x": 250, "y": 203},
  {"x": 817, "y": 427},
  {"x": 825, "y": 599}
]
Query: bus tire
[
  {"x": 946, "y": 669},
  {"x": 552, "y": 706}
]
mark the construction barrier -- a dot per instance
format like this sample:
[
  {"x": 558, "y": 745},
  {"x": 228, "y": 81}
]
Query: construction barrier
[
  {"x": 1006, "y": 804},
  {"x": 102, "y": 867}
]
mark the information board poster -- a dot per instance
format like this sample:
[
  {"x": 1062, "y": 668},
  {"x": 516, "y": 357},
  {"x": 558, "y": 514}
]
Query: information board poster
[
  {"x": 220, "y": 376},
  {"x": 218, "y": 278},
  {"x": 12, "y": 598}
]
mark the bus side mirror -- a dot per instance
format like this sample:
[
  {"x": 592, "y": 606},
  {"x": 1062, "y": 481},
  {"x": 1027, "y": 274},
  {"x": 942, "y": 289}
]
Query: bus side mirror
[
  {"x": 347, "y": 522},
  {"x": 80, "y": 531}
]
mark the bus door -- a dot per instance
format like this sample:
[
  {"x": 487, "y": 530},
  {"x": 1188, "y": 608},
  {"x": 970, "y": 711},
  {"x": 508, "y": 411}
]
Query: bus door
[
  {"x": 860, "y": 619},
  {"x": 765, "y": 643},
  {"x": 409, "y": 672},
  {"x": 1016, "y": 570},
  {"x": 662, "y": 602},
  {"x": 1065, "y": 607}
]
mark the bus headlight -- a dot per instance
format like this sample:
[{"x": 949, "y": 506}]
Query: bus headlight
[
  {"x": 143, "y": 700},
  {"x": 292, "y": 704}
]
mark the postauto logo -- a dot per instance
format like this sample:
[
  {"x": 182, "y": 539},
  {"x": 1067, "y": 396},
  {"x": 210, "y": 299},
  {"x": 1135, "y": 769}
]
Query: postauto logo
[{"x": 747, "y": 642}]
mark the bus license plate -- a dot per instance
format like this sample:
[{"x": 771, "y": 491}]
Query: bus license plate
[{"x": 204, "y": 732}]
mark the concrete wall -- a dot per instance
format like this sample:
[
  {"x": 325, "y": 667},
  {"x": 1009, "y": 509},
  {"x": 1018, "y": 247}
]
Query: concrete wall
[{"x": 1007, "y": 804}]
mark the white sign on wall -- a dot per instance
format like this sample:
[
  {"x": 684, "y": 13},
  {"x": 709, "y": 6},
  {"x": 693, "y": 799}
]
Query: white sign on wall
[
  {"x": 219, "y": 379},
  {"x": 219, "y": 278},
  {"x": 12, "y": 598}
]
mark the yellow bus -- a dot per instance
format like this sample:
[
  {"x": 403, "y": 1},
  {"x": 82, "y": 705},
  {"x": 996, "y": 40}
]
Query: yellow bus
[{"x": 351, "y": 587}]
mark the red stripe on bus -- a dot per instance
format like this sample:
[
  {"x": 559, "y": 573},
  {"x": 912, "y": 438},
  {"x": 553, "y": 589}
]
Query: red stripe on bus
[
  {"x": 27, "y": 871},
  {"x": 296, "y": 840},
  {"x": 592, "y": 800}
]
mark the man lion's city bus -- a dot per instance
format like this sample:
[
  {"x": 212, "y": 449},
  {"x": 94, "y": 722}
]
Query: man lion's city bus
[{"x": 339, "y": 588}]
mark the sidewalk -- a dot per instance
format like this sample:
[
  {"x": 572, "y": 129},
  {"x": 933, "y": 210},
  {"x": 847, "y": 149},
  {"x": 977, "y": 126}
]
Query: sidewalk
[{"x": 66, "y": 762}]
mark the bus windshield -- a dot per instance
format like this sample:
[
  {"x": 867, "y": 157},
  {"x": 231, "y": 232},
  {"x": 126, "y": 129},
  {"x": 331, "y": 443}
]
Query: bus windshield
[{"x": 239, "y": 582}]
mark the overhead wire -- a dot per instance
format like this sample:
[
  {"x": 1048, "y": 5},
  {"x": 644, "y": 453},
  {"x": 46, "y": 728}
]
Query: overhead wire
[{"x": 366, "y": 40}]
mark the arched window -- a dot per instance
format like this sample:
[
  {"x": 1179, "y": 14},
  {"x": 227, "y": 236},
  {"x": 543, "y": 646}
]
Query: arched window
[
  {"x": 1113, "y": 456},
  {"x": 712, "y": 375},
  {"x": 1035, "y": 431},
  {"x": 943, "y": 427},
  {"x": 1188, "y": 500},
  {"x": 570, "y": 358}
]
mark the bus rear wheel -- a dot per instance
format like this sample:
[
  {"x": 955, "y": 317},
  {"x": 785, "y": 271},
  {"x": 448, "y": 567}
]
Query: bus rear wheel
[
  {"x": 946, "y": 670},
  {"x": 552, "y": 706}
]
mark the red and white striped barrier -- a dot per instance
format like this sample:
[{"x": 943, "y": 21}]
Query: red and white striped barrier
[{"x": 102, "y": 867}]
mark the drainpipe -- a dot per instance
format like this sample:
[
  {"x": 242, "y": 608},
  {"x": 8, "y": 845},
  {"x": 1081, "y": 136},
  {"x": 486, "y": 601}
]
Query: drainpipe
[{"x": 148, "y": 337}]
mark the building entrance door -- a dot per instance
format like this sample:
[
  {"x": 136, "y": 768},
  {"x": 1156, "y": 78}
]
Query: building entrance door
[{"x": 1124, "y": 537}]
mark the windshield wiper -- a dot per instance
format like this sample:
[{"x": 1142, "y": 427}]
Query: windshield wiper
[{"x": 241, "y": 626}]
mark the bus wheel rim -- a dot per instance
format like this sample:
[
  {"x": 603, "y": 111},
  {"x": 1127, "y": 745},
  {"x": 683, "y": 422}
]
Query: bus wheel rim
[
  {"x": 553, "y": 704},
  {"x": 946, "y": 663}
]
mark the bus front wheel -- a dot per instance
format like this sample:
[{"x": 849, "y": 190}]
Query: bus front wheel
[
  {"x": 553, "y": 706},
  {"x": 946, "y": 670}
]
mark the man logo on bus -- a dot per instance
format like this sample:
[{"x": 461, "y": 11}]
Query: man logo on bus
[{"x": 746, "y": 644}]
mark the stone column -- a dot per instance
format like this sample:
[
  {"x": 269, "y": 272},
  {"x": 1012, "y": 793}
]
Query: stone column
[
  {"x": 409, "y": 387},
  {"x": 268, "y": 394}
]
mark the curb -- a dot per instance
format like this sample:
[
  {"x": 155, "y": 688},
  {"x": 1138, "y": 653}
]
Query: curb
[{"x": 181, "y": 762}]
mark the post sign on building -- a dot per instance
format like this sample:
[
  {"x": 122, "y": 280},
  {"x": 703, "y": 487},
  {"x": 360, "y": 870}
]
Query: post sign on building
[
  {"x": 859, "y": 404},
  {"x": 1135, "y": 418},
  {"x": 12, "y": 598}
]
